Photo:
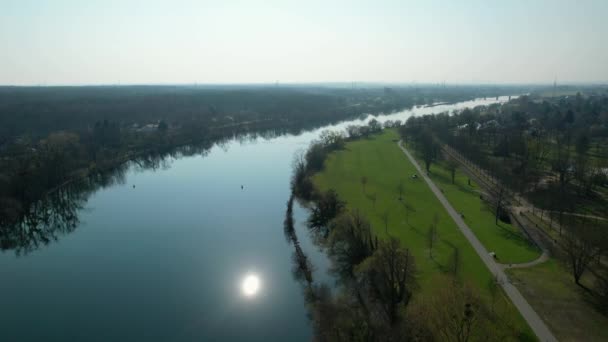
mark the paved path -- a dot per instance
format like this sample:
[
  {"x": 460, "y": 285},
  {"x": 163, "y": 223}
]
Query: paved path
[
  {"x": 534, "y": 321},
  {"x": 542, "y": 258}
]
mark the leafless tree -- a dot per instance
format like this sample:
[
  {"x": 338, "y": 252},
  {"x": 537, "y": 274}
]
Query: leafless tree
[
  {"x": 389, "y": 274},
  {"x": 456, "y": 313},
  {"x": 580, "y": 243}
]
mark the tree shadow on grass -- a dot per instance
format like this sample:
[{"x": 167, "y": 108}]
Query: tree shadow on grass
[{"x": 448, "y": 180}]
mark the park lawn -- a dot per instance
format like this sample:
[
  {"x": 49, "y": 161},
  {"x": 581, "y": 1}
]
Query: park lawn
[
  {"x": 551, "y": 291},
  {"x": 385, "y": 166},
  {"x": 508, "y": 242}
]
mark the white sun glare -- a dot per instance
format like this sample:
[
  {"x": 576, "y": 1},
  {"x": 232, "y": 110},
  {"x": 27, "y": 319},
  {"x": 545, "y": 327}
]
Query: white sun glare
[{"x": 251, "y": 285}]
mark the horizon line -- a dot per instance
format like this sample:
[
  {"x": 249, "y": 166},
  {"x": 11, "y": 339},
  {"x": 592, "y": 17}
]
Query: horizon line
[{"x": 312, "y": 83}]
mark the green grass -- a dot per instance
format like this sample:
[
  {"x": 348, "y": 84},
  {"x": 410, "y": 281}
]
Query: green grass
[
  {"x": 385, "y": 166},
  {"x": 550, "y": 290},
  {"x": 508, "y": 242}
]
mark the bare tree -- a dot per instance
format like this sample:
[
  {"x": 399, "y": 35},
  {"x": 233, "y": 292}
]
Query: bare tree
[
  {"x": 389, "y": 276},
  {"x": 580, "y": 243},
  {"x": 350, "y": 241},
  {"x": 456, "y": 313}
]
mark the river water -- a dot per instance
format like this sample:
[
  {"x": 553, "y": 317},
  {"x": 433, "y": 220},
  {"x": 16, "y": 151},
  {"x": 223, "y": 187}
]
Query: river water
[{"x": 163, "y": 254}]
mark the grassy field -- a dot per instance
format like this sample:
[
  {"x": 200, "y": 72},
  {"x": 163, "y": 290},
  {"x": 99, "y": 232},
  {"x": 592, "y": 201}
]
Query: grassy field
[
  {"x": 508, "y": 242},
  {"x": 383, "y": 164},
  {"x": 550, "y": 290}
]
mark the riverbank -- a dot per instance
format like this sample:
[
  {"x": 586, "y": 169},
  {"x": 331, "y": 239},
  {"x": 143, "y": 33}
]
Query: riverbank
[{"x": 370, "y": 175}]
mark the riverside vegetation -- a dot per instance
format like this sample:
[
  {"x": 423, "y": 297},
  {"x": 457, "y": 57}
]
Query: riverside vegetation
[{"x": 365, "y": 205}]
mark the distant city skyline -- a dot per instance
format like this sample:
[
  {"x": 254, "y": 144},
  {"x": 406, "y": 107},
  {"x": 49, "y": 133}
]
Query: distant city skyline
[{"x": 96, "y": 42}]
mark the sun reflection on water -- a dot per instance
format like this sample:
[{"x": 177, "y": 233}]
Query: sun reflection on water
[{"x": 250, "y": 285}]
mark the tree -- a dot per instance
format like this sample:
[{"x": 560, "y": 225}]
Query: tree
[
  {"x": 374, "y": 126},
  {"x": 315, "y": 156},
  {"x": 332, "y": 139},
  {"x": 500, "y": 200},
  {"x": 350, "y": 241},
  {"x": 325, "y": 209},
  {"x": 389, "y": 275},
  {"x": 426, "y": 143},
  {"x": 353, "y": 131},
  {"x": 456, "y": 313},
  {"x": 580, "y": 243},
  {"x": 400, "y": 190},
  {"x": 451, "y": 166}
]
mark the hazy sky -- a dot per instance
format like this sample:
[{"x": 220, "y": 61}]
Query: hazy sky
[{"x": 107, "y": 42}]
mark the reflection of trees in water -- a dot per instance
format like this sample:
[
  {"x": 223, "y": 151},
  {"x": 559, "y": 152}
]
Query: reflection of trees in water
[
  {"x": 55, "y": 215},
  {"x": 302, "y": 267},
  {"x": 46, "y": 220}
]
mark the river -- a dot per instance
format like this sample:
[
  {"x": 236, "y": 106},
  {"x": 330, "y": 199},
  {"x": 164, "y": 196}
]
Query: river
[{"x": 163, "y": 253}]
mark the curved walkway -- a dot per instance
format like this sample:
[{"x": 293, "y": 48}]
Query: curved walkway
[
  {"x": 534, "y": 321},
  {"x": 542, "y": 258}
]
